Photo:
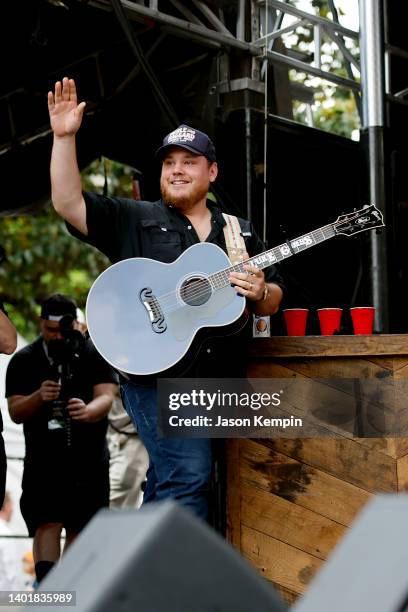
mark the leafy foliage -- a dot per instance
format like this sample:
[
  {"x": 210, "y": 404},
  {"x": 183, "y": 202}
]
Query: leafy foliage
[
  {"x": 334, "y": 108},
  {"x": 43, "y": 258}
]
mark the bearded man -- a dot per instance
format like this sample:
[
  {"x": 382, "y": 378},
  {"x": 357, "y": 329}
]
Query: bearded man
[{"x": 179, "y": 468}]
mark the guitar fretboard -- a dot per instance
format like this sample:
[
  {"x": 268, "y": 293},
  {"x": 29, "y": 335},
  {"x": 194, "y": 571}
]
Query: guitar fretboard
[{"x": 275, "y": 255}]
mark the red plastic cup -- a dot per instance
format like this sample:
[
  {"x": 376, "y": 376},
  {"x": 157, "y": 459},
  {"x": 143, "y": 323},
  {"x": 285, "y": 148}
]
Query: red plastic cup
[
  {"x": 295, "y": 320},
  {"x": 329, "y": 319},
  {"x": 363, "y": 319}
]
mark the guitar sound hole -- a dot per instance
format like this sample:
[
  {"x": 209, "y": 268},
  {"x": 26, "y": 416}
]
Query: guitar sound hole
[{"x": 195, "y": 291}]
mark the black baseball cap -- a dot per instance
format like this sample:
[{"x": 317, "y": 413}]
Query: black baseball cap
[
  {"x": 188, "y": 138},
  {"x": 56, "y": 306}
]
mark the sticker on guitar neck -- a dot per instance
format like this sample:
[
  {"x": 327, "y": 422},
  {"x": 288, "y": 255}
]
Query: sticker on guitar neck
[
  {"x": 306, "y": 240},
  {"x": 264, "y": 258},
  {"x": 285, "y": 250}
]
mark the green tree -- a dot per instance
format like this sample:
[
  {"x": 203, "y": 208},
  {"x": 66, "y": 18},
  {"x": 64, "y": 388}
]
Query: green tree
[
  {"x": 334, "y": 108},
  {"x": 43, "y": 258}
]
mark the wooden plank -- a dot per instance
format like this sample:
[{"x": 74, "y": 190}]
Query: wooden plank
[
  {"x": 286, "y": 594},
  {"x": 401, "y": 445},
  {"x": 388, "y": 446},
  {"x": 338, "y": 367},
  {"x": 393, "y": 363},
  {"x": 300, "y": 484},
  {"x": 234, "y": 493},
  {"x": 329, "y": 346},
  {"x": 278, "y": 562},
  {"x": 296, "y": 369},
  {"x": 401, "y": 369},
  {"x": 402, "y": 471},
  {"x": 288, "y": 522},
  {"x": 345, "y": 459}
]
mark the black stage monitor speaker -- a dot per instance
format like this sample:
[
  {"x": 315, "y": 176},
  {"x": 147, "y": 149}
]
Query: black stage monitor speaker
[
  {"x": 368, "y": 570},
  {"x": 160, "y": 558}
]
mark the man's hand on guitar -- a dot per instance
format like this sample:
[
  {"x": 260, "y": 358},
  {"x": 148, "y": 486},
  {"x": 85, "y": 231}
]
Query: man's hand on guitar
[{"x": 251, "y": 283}]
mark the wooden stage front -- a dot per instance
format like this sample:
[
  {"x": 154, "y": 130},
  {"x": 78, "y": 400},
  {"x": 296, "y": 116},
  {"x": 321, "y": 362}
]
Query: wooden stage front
[{"x": 291, "y": 500}]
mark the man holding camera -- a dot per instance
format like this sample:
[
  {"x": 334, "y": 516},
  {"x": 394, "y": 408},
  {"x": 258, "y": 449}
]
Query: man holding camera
[{"x": 61, "y": 390}]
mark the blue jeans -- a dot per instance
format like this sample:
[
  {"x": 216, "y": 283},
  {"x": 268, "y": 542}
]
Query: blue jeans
[{"x": 180, "y": 468}]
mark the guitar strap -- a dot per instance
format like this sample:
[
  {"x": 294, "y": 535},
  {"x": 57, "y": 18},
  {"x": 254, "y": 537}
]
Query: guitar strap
[{"x": 233, "y": 239}]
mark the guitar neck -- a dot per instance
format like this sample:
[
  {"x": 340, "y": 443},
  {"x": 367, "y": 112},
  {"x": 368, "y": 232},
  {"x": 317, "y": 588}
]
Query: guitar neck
[{"x": 276, "y": 254}]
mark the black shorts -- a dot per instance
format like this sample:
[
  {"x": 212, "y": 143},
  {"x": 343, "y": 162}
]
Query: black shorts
[{"x": 59, "y": 496}]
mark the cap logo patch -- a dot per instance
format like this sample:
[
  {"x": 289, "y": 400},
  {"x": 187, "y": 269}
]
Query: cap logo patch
[{"x": 182, "y": 134}]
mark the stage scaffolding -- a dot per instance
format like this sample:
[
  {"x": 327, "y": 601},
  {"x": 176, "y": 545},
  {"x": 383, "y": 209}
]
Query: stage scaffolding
[
  {"x": 247, "y": 37},
  {"x": 256, "y": 37}
]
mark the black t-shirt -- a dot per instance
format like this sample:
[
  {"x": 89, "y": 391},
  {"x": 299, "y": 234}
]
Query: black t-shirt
[
  {"x": 45, "y": 441},
  {"x": 123, "y": 228}
]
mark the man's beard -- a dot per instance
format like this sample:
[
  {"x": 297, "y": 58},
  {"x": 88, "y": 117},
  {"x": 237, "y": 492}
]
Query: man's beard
[{"x": 183, "y": 202}]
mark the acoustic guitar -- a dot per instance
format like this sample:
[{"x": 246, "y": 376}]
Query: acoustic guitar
[{"x": 143, "y": 315}]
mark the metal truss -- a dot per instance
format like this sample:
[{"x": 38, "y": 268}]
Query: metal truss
[
  {"x": 40, "y": 131},
  {"x": 273, "y": 15},
  {"x": 391, "y": 53},
  {"x": 252, "y": 32},
  {"x": 268, "y": 20}
]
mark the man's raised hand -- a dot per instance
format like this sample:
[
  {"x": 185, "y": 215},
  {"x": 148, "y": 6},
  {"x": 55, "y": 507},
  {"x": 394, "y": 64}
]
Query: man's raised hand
[{"x": 65, "y": 112}]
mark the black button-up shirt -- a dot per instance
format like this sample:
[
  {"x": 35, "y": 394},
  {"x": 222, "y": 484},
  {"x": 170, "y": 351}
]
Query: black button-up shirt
[{"x": 123, "y": 228}]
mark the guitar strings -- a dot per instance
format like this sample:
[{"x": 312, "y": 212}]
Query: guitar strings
[
  {"x": 199, "y": 292},
  {"x": 169, "y": 301},
  {"x": 168, "y": 306}
]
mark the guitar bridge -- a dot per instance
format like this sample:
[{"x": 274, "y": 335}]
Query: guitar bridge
[{"x": 153, "y": 308}]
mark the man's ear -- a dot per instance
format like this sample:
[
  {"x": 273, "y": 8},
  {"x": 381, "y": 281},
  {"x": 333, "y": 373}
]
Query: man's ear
[{"x": 213, "y": 172}]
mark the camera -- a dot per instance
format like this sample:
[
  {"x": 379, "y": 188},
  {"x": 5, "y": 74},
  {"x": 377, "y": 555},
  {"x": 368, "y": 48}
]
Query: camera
[{"x": 63, "y": 350}]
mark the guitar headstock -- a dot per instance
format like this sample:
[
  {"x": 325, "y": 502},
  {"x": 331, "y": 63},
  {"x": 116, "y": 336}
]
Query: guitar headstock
[{"x": 368, "y": 217}]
